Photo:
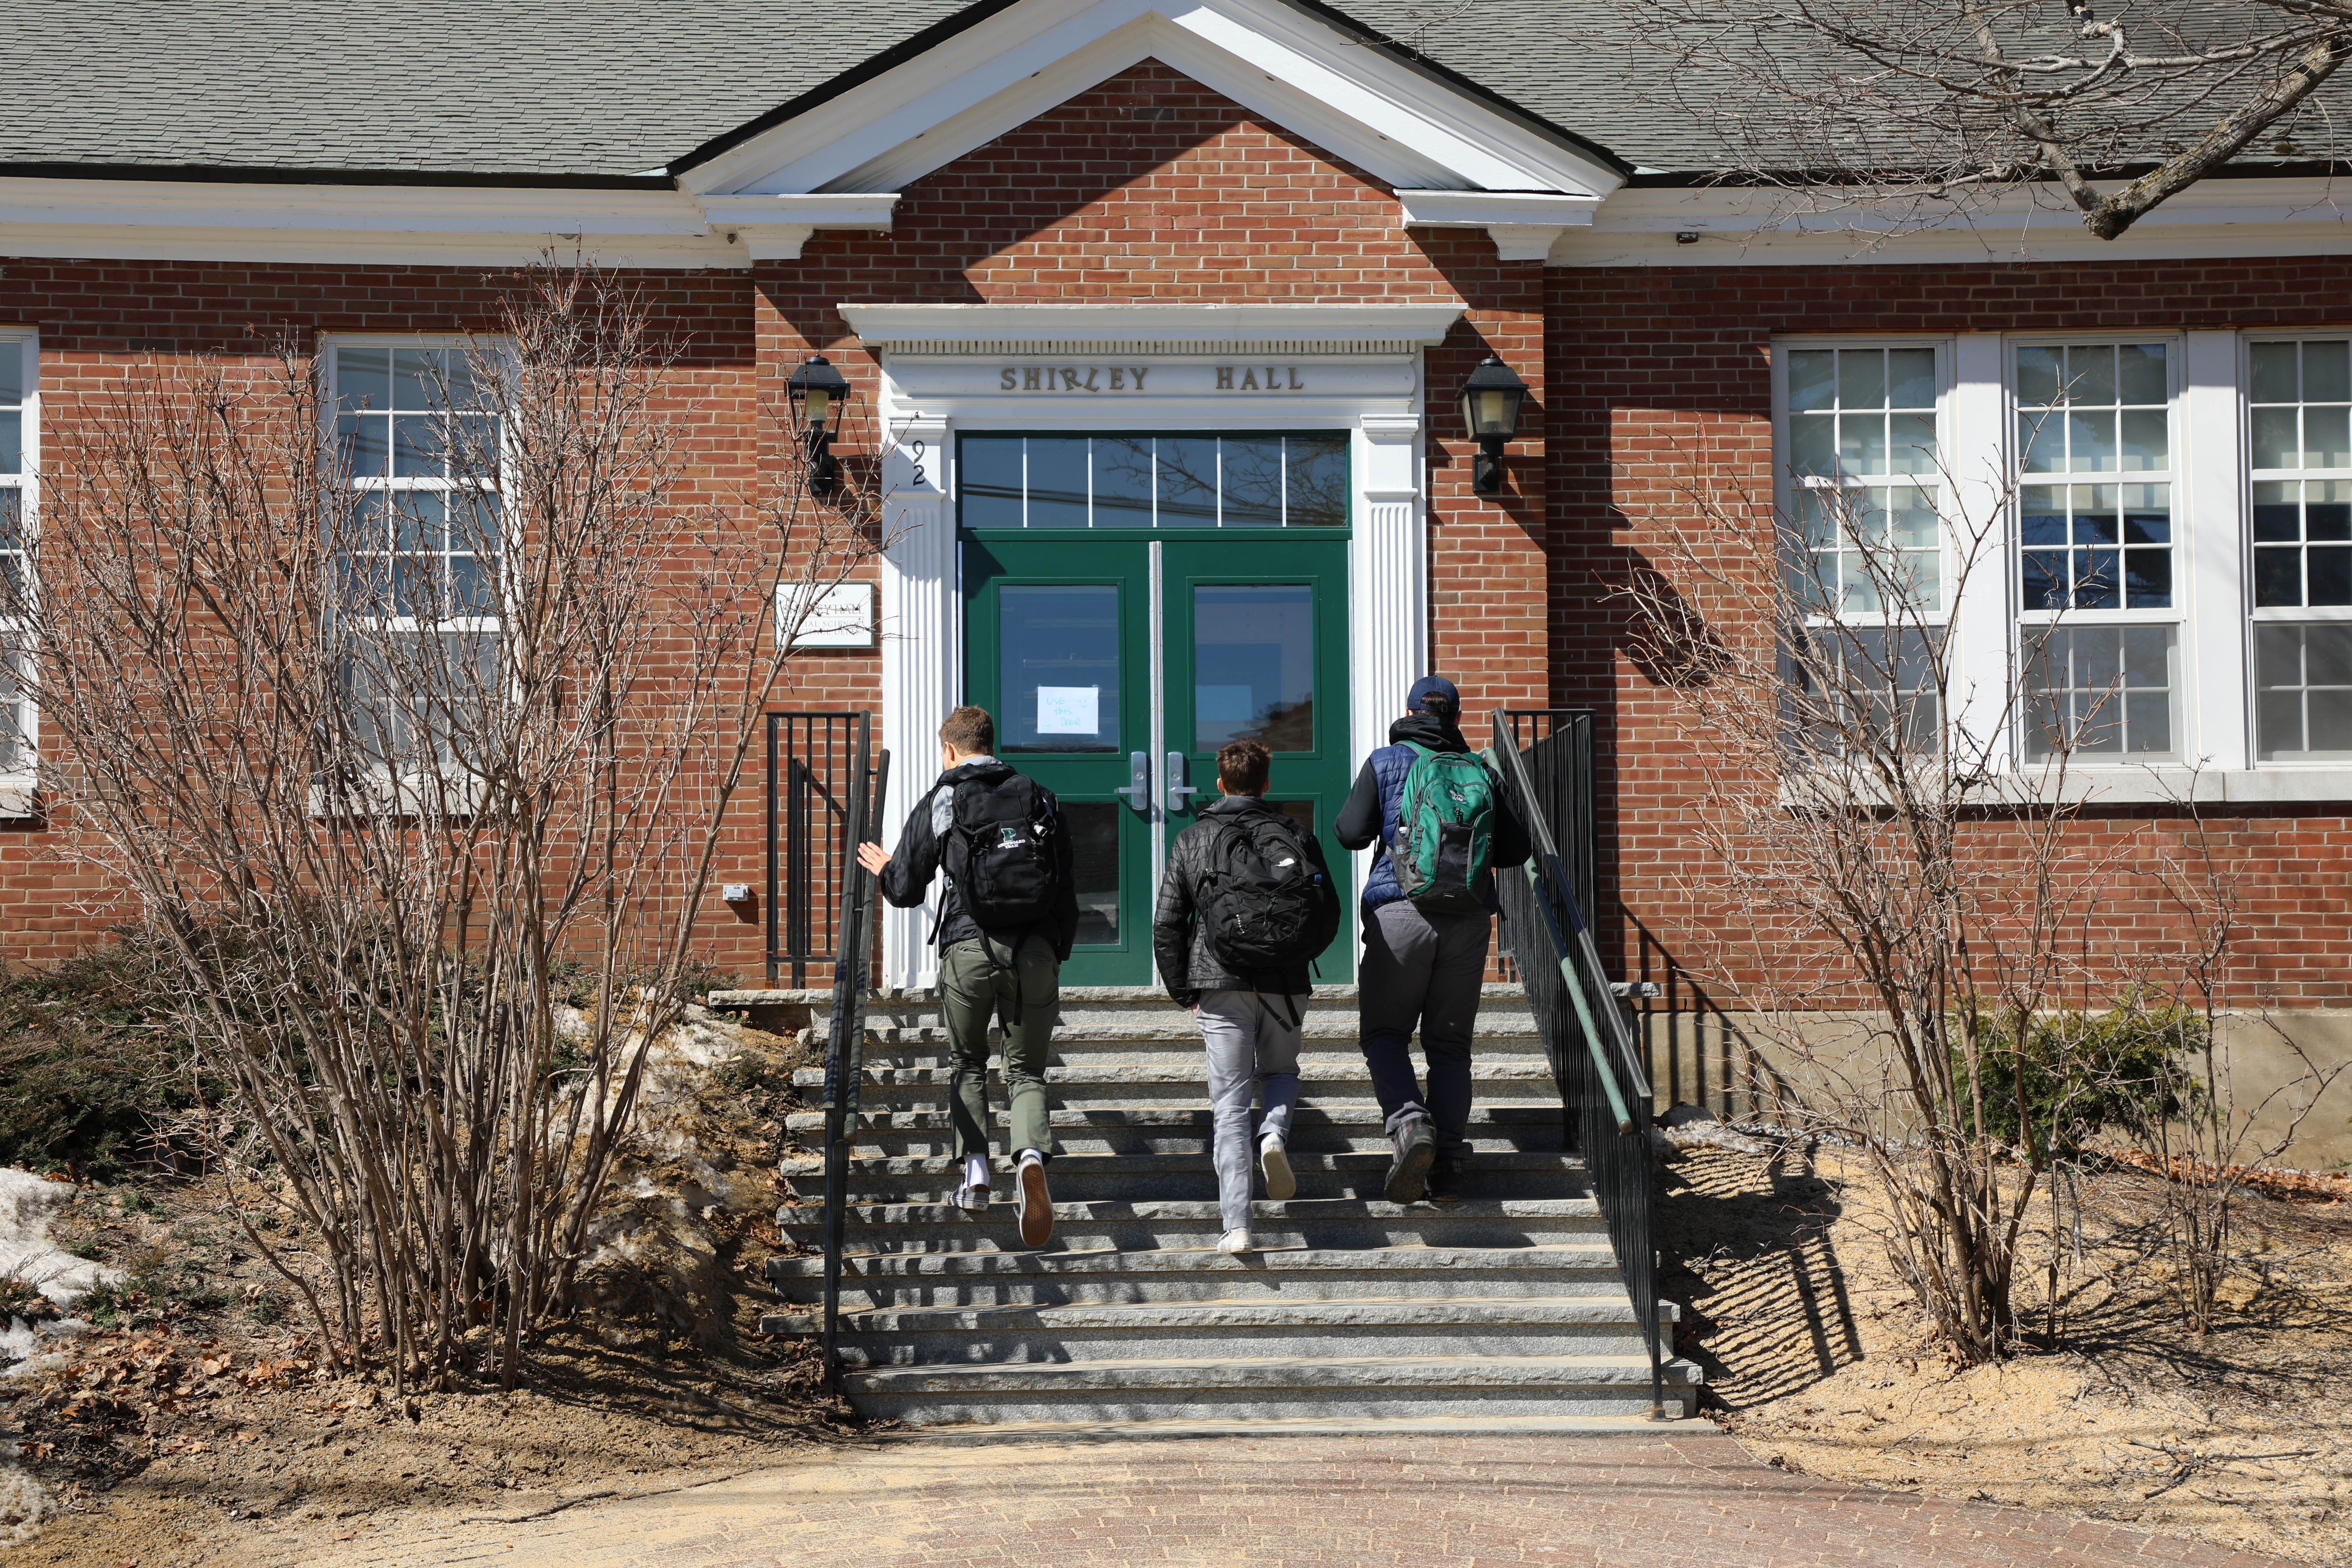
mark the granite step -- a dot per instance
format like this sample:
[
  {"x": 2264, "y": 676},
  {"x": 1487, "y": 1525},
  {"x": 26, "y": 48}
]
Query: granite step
[
  {"x": 1137, "y": 1225},
  {"x": 1158, "y": 1389}
]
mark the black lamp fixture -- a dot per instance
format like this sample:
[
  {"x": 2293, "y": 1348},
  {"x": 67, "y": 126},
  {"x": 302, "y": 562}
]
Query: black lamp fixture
[
  {"x": 818, "y": 395},
  {"x": 1490, "y": 411}
]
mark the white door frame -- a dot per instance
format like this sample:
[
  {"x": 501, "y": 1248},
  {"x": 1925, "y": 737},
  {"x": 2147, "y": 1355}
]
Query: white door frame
[{"x": 953, "y": 368}]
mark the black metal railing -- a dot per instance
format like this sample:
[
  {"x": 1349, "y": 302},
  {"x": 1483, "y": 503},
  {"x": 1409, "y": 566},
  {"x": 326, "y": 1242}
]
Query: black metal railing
[
  {"x": 811, "y": 758},
  {"x": 1543, "y": 757},
  {"x": 861, "y": 793}
]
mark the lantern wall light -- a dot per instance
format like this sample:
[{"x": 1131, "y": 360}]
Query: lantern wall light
[
  {"x": 1490, "y": 412},
  {"x": 818, "y": 395}
]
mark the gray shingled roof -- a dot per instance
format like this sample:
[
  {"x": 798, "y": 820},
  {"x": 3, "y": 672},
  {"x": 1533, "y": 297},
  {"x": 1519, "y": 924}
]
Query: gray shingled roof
[
  {"x": 530, "y": 87},
  {"x": 597, "y": 90}
]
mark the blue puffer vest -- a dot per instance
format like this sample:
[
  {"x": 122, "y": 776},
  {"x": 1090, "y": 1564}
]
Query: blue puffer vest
[{"x": 1390, "y": 764}]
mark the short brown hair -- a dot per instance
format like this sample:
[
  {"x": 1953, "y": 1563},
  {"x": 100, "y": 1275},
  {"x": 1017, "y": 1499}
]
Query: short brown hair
[
  {"x": 971, "y": 732},
  {"x": 1242, "y": 767}
]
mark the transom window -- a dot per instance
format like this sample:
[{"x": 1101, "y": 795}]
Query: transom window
[
  {"x": 19, "y": 433},
  {"x": 1863, "y": 455},
  {"x": 1153, "y": 481},
  {"x": 418, "y": 446}
]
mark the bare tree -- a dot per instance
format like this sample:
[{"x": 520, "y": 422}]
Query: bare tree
[
  {"x": 1894, "y": 887},
  {"x": 1919, "y": 106},
  {"x": 405, "y": 712}
]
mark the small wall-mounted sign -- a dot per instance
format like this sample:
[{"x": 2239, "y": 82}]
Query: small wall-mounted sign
[{"x": 827, "y": 615}]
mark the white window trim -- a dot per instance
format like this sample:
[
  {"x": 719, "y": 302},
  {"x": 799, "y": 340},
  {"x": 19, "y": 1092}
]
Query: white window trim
[
  {"x": 390, "y": 791},
  {"x": 2249, "y": 615},
  {"x": 20, "y": 786}
]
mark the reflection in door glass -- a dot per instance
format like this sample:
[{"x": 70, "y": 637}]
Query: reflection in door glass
[
  {"x": 1093, "y": 844},
  {"x": 1059, "y": 666},
  {"x": 1253, "y": 666},
  {"x": 1301, "y": 812},
  {"x": 1252, "y": 481}
]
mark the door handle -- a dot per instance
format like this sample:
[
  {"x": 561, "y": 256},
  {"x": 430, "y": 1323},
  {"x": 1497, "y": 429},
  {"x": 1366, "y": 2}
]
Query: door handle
[
  {"x": 1180, "y": 794},
  {"x": 1138, "y": 792}
]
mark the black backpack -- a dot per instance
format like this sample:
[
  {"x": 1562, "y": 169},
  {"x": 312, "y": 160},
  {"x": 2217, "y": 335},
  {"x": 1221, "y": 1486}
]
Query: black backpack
[
  {"x": 1267, "y": 900},
  {"x": 1000, "y": 852}
]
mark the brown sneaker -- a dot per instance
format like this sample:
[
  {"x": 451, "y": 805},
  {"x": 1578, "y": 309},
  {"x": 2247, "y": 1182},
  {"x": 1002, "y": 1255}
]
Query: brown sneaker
[{"x": 1036, "y": 1206}]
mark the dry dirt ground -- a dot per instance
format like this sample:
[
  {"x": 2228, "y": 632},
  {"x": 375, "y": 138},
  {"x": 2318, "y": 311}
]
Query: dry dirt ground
[
  {"x": 199, "y": 1428},
  {"x": 1817, "y": 1360},
  {"x": 197, "y": 1423}
]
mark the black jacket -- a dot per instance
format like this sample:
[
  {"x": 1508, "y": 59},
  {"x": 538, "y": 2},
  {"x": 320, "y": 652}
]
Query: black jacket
[
  {"x": 1179, "y": 938},
  {"x": 917, "y": 860},
  {"x": 1369, "y": 813}
]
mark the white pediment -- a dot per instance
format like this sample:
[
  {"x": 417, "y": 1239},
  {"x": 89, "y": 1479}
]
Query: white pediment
[{"x": 1406, "y": 127}]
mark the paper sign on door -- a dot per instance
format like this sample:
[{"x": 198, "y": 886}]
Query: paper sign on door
[{"x": 1069, "y": 709}]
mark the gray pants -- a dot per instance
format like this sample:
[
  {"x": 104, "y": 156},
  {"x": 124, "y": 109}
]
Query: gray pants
[
  {"x": 1252, "y": 1046},
  {"x": 1424, "y": 972}
]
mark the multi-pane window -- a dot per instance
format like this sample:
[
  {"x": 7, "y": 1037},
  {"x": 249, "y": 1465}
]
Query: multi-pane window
[
  {"x": 1856, "y": 689},
  {"x": 1864, "y": 456},
  {"x": 2099, "y": 691},
  {"x": 2301, "y": 442},
  {"x": 2299, "y": 445},
  {"x": 2303, "y": 691},
  {"x": 2095, "y": 534},
  {"x": 1154, "y": 481},
  {"x": 19, "y": 427},
  {"x": 416, "y": 442},
  {"x": 2089, "y": 413}
]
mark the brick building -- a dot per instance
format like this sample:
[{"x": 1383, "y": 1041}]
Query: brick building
[{"x": 1166, "y": 310}]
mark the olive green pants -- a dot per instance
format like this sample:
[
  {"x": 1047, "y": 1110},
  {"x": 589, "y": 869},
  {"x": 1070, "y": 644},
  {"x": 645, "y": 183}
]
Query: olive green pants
[{"x": 976, "y": 986}]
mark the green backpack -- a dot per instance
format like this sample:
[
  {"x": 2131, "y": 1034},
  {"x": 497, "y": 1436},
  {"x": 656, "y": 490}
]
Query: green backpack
[{"x": 1444, "y": 846}]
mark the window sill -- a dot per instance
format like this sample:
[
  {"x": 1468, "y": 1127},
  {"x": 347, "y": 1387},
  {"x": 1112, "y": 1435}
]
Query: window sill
[
  {"x": 382, "y": 795},
  {"x": 19, "y": 797},
  {"x": 2159, "y": 784}
]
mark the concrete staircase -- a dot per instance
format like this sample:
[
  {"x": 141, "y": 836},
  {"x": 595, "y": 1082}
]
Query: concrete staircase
[{"x": 1502, "y": 1313}]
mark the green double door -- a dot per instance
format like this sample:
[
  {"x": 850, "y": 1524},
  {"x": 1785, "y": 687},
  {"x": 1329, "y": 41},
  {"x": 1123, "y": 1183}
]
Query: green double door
[{"x": 1116, "y": 666}]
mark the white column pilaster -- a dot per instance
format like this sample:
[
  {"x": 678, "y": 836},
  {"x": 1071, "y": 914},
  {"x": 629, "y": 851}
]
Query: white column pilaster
[
  {"x": 1388, "y": 585},
  {"x": 922, "y": 653},
  {"x": 1979, "y": 586},
  {"x": 2209, "y": 531}
]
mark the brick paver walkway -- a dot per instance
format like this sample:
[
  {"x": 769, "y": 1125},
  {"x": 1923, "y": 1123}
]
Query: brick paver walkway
[{"x": 1691, "y": 1501}]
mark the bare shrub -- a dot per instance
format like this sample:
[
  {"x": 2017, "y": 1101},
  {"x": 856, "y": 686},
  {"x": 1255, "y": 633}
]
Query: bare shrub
[
  {"x": 1895, "y": 885},
  {"x": 393, "y": 728}
]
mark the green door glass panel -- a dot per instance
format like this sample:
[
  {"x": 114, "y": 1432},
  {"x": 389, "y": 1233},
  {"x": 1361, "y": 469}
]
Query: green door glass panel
[
  {"x": 1057, "y": 648},
  {"x": 1256, "y": 648}
]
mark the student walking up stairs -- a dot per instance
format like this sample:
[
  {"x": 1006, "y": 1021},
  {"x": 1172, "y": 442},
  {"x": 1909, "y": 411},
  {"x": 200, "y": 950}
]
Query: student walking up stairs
[{"x": 1502, "y": 1312}]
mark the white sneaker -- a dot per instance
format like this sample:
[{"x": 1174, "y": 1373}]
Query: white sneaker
[
  {"x": 972, "y": 1199},
  {"x": 1274, "y": 1160},
  {"x": 1236, "y": 1240}
]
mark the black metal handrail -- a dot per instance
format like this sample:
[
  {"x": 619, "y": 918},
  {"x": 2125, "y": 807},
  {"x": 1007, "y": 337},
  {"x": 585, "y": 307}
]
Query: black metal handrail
[
  {"x": 811, "y": 762},
  {"x": 1606, "y": 1101},
  {"x": 844, "y": 1054}
]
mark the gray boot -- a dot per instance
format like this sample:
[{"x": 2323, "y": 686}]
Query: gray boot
[{"x": 1416, "y": 1147}]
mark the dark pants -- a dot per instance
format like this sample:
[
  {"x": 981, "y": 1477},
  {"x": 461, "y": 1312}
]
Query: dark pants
[
  {"x": 1427, "y": 972},
  {"x": 976, "y": 987}
]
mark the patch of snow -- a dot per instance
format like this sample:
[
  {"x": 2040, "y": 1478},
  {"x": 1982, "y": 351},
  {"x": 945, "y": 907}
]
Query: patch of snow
[
  {"x": 26, "y": 1201},
  {"x": 23, "y": 1504}
]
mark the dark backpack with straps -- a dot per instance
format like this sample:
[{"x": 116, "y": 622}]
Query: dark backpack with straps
[
  {"x": 1268, "y": 901},
  {"x": 1000, "y": 852}
]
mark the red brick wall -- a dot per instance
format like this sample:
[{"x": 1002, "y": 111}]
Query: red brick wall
[
  {"x": 1151, "y": 188},
  {"x": 1146, "y": 189},
  {"x": 1662, "y": 382}
]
